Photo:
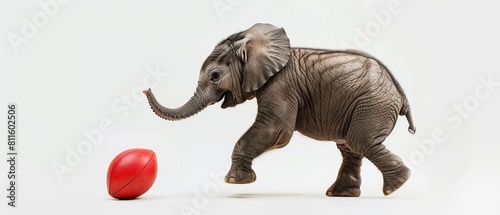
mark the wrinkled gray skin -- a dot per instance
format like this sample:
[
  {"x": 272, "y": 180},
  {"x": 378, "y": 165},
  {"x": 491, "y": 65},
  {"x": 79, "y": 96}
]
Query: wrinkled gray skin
[{"x": 344, "y": 96}]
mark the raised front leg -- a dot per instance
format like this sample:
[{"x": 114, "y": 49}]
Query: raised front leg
[
  {"x": 271, "y": 129},
  {"x": 349, "y": 178}
]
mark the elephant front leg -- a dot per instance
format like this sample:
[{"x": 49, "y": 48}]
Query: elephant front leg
[
  {"x": 241, "y": 171},
  {"x": 258, "y": 139}
]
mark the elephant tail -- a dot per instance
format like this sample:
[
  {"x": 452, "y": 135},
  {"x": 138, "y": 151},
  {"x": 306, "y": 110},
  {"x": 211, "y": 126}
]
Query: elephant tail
[
  {"x": 405, "y": 109},
  {"x": 407, "y": 112}
]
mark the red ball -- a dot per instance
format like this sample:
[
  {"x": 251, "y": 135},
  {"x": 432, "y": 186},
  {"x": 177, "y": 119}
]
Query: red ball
[{"x": 131, "y": 173}]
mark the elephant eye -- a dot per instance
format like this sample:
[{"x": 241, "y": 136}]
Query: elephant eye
[{"x": 215, "y": 76}]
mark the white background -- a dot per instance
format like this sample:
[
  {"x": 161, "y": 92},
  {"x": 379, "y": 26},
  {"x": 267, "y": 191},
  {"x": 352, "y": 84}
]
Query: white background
[{"x": 87, "y": 57}]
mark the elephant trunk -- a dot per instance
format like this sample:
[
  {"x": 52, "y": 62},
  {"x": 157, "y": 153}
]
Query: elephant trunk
[{"x": 190, "y": 108}]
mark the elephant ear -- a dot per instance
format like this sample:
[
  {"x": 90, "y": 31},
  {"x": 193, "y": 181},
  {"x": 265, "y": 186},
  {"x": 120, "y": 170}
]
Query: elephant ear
[{"x": 264, "y": 51}]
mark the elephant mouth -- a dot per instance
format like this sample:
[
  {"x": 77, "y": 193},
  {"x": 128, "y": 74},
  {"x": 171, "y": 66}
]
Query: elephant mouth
[{"x": 228, "y": 99}]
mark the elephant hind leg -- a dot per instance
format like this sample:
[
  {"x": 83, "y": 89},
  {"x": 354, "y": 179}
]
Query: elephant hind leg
[
  {"x": 367, "y": 141},
  {"x": 395, "y": 173},
  {"x": 348, "y": 180}
]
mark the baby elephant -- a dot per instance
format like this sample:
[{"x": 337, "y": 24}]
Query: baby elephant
[{"x": 348, "y": 97}]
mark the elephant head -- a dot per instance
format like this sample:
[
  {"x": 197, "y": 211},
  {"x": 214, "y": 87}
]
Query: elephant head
[{"x": 238, "y": 67}]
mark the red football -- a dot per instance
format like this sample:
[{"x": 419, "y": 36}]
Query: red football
[{"x": 131, "y": 173}]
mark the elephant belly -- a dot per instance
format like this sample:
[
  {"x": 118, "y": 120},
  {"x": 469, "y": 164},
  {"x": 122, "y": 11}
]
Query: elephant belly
[{"x": 322, "y": 127}]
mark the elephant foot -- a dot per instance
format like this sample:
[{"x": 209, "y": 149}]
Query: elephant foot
[
  {"x": 345, "y": 186},
  {"x": 240, "y": 176},
  {"x": 347, "y": 192},
  {"x": 396, "y": 179}
]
